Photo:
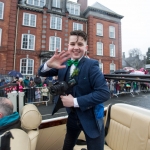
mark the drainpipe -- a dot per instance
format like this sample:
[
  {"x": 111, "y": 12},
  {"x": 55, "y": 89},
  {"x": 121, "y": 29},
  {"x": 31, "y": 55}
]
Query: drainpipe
[
  {"x": 86, "y": 27},
  {"x": 16, "y": 39}
]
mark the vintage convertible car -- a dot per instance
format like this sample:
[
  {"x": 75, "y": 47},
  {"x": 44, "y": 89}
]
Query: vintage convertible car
[{"x": 128, "y": 129}]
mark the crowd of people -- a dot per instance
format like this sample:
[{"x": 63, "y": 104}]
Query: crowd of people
[
  {"x": 121, "y": 86},
  {"x": 36, "y": 89}
]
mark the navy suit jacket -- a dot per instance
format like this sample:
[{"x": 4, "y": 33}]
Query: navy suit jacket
[{"x": 91, "y": 90}]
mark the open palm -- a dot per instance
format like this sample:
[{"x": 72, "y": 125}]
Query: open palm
[{"x": 58, "y": 59}]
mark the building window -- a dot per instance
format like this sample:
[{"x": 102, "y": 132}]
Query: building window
[
  {"x": 1, "y": 10},
  {"x": 56, "y": 22},
  {"x": 55, "y": 43},
  {"x": 56, "y": 3},
  {"x": 101, "y": 66},
  {"x": 0, "y": 36},
  {"x": 28, "y": 41},
  {"x": 112, "y": 67},
  {"x": 26, "y": 66},
  {"x": 99, "y": 29},
  {"x": 39, "y": 3},
  {"x": 99, "y": 48},
  {"x": 29, "y": 20},
  {"x": 73, "y": 9},
  {"x": 111, "y": 32},
  {"x": 112, "y": 50},
  {"x": 77, "y": 26}
]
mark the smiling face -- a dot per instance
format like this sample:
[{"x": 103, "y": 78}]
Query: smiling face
[{"x": 77, "y": 46}]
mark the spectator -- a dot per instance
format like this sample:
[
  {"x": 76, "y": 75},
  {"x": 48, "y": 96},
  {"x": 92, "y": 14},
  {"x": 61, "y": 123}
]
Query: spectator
[
  {"x": 111, "y": 87},
  {"x": 37, "y": 95},
  {"x": 30, "y": 92},
  {"x": 45, "y": 92},
  {"x": 32, "y": 83},
  {"x": 46, "y": 81},
  {"x": 2, "y": 92},
  {"x": 26, "y": 82},
  {"x": 38, "y": 81},
  {"x": 55, "y": 79},
  {"x": 8, "y": 119}
]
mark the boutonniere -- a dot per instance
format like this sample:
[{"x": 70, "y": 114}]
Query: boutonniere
[{"x": 75, "y": 72}]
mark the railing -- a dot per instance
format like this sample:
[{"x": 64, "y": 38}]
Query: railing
[{"x": 125, "y": 83}]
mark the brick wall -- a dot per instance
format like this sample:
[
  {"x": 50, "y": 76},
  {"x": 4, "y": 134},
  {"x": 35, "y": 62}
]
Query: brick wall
[{"x": 92, "y": 42}]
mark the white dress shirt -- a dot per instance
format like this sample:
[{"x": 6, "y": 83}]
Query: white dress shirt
[{"x": 46, "y": 68}]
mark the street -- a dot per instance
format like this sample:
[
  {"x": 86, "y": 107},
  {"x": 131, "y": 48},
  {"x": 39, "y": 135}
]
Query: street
[{"x": 141, "y": 100}]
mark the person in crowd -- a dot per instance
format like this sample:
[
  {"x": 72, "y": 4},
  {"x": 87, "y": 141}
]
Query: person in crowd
[
  {"x": 37, "y": 95},
  {"x": 84, "y": 100},
  {"x": 111, "y": 87},
  {"x": 32, "y": 83},
  {"x": 54, "y": 79},
  {"x": 21, "y": 85},
  {"x": 45, "y": 92},
  {"x": 2, "y": 82},
  {"x": 46, "y": 81},
  {"x": 30, "y": 91},
  {"x": 2, "y": 91},
  {"x": 15, "y": 80},
  {"x": 8, "y": 118},
  {"x": 26, "y": 82},
  {"x": 38, "y": 81}
]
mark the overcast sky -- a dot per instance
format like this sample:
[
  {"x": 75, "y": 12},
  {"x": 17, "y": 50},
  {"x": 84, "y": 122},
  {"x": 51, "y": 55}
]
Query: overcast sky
[{"x": 135, "y": 24}]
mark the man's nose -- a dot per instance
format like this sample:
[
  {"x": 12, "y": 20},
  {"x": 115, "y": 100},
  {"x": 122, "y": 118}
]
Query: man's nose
[{"x": 76, "y": 46}]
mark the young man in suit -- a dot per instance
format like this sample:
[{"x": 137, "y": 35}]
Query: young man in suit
[{"x": 81, "y": 100}]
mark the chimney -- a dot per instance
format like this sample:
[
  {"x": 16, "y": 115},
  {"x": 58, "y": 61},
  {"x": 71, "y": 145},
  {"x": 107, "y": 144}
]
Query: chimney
[
  {"x": 83, "y": 5},
  {"x": 130, "y": 55},
  {"x": 123, "y": 55}
]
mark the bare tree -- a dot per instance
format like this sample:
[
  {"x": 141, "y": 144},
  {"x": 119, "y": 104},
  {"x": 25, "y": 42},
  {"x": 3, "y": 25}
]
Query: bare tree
[
  {"x": 134, "y": 52},
  {"x": 136, "y": 59}
]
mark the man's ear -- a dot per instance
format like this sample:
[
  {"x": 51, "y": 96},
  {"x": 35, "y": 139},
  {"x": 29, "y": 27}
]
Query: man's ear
[
  {"x": 1, "y": 115},
  {"x": 86, "y": 47}
]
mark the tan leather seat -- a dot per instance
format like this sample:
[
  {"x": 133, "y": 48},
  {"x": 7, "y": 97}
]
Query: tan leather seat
[
  {"x": 20, "y": 140},
  {"x": 129, "y": 128},
  {"x": 30, "y": 121}
]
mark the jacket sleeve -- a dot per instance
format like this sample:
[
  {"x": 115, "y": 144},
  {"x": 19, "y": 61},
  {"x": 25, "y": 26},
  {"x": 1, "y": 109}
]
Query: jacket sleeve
[
  {"x": 99, "y": 91},
  {"x": 51, "y": 72}
]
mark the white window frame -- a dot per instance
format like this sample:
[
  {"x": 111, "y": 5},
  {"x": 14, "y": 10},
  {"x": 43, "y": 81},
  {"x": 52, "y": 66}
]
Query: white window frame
[
  {"x": 100, "y": 51},
  {"x": 112, "y": 67},
  {"x": 2, "y": 11},
  {"x": 73, "y": 9},
  {"x": 112, "y": 51},
  {"x": 112, "y": 32},
  {"x": 54, "y": 20},
  {"x": 29, "y": 22},
  {"x": 101, "y": 66},
  {"x": 99, "y": 29},
  {"x": 77, "y": 26},
  {"x": 0, "y": 37},
  {"x": 27, "y": 66},
  {"x": 32, "y": 2},
  {"x": 28, "y": 38},
  {"x": 55, "y": 44},
  {"x": 56, "y": 3}
]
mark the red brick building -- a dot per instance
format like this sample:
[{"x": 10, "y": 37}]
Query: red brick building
[{"x": 31, "y": 30}]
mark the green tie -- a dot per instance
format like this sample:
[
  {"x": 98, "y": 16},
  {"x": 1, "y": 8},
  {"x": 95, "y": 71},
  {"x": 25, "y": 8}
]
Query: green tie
[{"x": 70, "y": 62}]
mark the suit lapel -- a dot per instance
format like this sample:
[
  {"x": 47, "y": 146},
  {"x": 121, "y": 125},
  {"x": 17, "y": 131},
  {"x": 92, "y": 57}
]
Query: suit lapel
[
  {"x": 63, "y": 73},
  {"x": 80, "y": 65}
]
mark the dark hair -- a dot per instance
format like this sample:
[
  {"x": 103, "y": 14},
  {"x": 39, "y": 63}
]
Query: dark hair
[
  {"x": 5, "y": 107},
  {"x": 79, "y": 33}
]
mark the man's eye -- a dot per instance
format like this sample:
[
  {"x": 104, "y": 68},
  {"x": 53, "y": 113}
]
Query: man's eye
[
  {"x": 80, "y": 44},
  {"x": 72, "y": 44}
]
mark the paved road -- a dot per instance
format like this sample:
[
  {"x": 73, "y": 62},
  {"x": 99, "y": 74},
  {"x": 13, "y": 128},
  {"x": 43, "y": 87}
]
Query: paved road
[{"x": 141, "y": 100}]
